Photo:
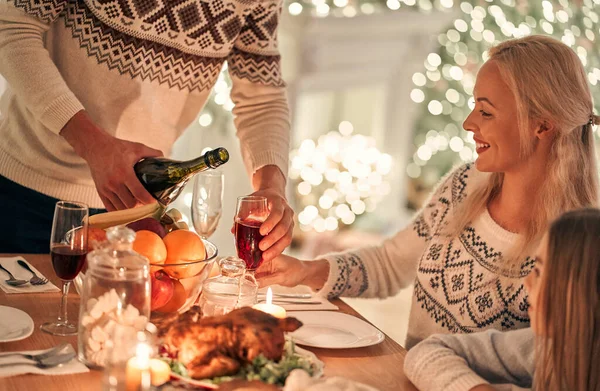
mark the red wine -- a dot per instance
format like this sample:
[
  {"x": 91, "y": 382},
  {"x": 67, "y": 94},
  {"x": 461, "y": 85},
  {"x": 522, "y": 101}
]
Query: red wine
[
  {"x": 247, "y": 238},
  {"x": 67, "y": 262}
]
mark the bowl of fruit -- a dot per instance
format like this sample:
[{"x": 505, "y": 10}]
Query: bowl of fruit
[
  {"x": 177, "y": 274},
  {"x": 180, "y": 260}
]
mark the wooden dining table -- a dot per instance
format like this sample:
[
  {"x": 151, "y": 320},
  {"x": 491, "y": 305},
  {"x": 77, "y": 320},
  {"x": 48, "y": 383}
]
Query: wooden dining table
[{"x": 380, "y": 366}]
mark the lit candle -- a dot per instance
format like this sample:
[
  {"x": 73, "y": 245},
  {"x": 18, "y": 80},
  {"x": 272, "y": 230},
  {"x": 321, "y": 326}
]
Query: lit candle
[
  {"x": 269, "y": 307},
  {"x": 137, "y": 373}
]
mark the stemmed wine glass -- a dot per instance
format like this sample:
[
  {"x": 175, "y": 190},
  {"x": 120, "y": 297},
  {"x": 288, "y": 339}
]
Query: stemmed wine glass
[
  {"x": 251, "y": 212},
  {"x": 207, "y": 200},
  {"x": 68, "y": 249}
]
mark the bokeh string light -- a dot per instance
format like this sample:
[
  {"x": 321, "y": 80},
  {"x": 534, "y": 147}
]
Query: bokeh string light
[
  {"x": 338, "y": 178},
  {"x": 445, "y": 85}
]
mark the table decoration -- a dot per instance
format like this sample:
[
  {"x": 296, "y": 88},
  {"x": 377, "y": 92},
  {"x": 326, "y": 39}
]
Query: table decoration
[
  {"x": 269, "y": 307},
  {"x": 115, "y": 292}
]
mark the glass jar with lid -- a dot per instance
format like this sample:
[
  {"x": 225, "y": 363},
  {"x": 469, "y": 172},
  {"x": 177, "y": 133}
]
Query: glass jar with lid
[
  {"x": 115, "y": 292},
  {"x": 233, "y": 288}
]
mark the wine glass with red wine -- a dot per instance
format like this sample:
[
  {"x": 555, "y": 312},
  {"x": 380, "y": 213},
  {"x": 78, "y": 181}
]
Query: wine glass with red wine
[
  {"x": 251, "y": 212},
  {"x": 68, "y": 249}
]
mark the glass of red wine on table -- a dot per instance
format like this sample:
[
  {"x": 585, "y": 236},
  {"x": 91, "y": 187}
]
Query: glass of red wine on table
[
  {"x": 68, "y": 249},
  {"x": 251, "y": 212}
]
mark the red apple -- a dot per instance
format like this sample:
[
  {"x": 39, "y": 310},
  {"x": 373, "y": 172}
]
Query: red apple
[
  {"x": 162, "y": 289},
  {"x": 148, "y": 224}
]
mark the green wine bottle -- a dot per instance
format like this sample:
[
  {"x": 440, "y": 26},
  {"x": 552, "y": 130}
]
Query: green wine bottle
[{"x": 165, "y": 178}]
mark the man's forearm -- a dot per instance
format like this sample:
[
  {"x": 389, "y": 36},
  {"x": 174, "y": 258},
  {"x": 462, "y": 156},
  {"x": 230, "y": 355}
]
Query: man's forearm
[
  {"x": 26, "y": 65},
  {"x": 79, "y": 130},
  {"x": 269, "y": 177}
]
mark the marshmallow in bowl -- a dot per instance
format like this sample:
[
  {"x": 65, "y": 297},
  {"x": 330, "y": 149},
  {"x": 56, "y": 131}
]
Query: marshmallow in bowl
[{"x": 101, "y": 317}]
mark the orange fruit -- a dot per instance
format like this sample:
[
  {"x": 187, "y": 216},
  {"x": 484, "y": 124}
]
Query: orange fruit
[
  {"x": 184, "y": 247},
  {"x": 150, "y": 245},
  {"x": 95, "y": 237},
  {"x": 160, "y": 372},
  {"x": 178, "y": 299}
]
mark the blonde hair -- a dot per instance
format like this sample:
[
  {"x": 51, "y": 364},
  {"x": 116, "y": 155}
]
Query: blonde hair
[
  {"x": 549, "y": 83},
  {"x": 568, "y": 350}
]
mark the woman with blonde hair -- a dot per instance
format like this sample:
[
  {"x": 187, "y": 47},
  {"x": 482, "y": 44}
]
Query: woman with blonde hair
[
  {"x": 469, "y": 249},
  {"x": 561, "y": 350}
]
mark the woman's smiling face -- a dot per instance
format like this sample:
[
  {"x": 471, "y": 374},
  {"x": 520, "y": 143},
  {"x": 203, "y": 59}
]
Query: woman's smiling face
[{"x": 494, "y": 122}]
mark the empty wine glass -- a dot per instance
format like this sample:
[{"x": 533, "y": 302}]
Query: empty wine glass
[
  {"x": 207, "y": 202},
  {"x": 68, "y": 249}
]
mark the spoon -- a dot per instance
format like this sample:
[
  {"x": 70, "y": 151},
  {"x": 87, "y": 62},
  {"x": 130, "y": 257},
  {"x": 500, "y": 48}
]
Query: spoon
[
  {"x": 12, "y": 280},
  {"x": 47, "y": 362}
]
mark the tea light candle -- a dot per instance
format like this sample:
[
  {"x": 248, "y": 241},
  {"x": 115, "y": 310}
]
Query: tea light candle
[
  {"x": 137, "y": 372},
  {"x": 269, "y": 307}
]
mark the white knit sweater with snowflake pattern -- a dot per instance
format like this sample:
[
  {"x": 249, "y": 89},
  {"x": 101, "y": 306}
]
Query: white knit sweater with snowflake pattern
[{"x": 461, "y": 284}]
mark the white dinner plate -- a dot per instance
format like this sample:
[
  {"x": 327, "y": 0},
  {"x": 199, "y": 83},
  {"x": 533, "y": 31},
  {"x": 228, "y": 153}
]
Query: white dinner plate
[
  {"x": 333, "y": 330},
  {"x": 14, "y": 324}
]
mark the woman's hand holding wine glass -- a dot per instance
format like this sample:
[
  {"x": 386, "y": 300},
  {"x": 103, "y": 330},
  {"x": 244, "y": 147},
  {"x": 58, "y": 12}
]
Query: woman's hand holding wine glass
[
  {"x": 269, "y": 182},
  {"x": 251, "y": 213},
  {"x": 277, "y": 229}
]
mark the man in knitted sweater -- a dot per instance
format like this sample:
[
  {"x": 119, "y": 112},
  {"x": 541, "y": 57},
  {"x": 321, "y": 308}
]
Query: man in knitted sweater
[{"x": 96, "y": 85}]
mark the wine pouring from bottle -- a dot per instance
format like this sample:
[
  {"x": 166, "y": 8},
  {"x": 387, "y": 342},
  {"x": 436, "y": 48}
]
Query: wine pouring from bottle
[{"x": 165, "y": 178}]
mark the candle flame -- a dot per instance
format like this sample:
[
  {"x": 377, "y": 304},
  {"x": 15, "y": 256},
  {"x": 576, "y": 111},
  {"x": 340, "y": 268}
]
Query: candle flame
[
  {"x": 269, "y": 300},
  {"x": 142, "y": 354}
]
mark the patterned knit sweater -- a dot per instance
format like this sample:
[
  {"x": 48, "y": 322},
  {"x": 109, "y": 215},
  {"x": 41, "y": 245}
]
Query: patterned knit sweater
[
  {"x": 143, "y": 69},
  {"x": 461, "y": 284}
]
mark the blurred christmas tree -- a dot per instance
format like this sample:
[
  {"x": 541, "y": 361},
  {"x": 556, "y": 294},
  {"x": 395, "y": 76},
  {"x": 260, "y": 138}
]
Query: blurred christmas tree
[{"x": 445, "y": 85}]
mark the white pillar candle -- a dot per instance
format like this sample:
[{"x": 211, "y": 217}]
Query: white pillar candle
[{"x": 269, "y": 307}]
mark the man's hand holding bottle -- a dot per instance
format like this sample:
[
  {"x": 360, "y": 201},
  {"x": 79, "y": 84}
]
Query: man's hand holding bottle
[{"x": 111, "y": 162}]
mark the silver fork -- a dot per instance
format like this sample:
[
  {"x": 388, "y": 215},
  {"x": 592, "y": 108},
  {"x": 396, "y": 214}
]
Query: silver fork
[
  {"x": 35, "y": 280},
  {"x": 39, "y": 356},
  {"x": 47, "y": 362}
]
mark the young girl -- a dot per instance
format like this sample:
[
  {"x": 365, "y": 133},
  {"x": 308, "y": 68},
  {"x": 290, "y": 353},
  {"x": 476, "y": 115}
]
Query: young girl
[
  {"x": 469, "y": 249},
  {"x": 561, "y": 350}
]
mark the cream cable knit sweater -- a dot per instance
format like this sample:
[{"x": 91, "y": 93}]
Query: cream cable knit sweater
[
  {"x": 143, "y": 69},
  {"x": 461, "y": 284},
  {"x": 461, "y": 362}
]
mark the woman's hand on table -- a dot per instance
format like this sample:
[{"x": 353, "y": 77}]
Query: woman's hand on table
[{"x": 289, "y": 271}]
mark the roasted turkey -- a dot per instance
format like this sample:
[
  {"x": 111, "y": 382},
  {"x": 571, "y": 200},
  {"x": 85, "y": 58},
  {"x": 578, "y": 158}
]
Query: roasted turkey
[{"x": 221, "y": 345}]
